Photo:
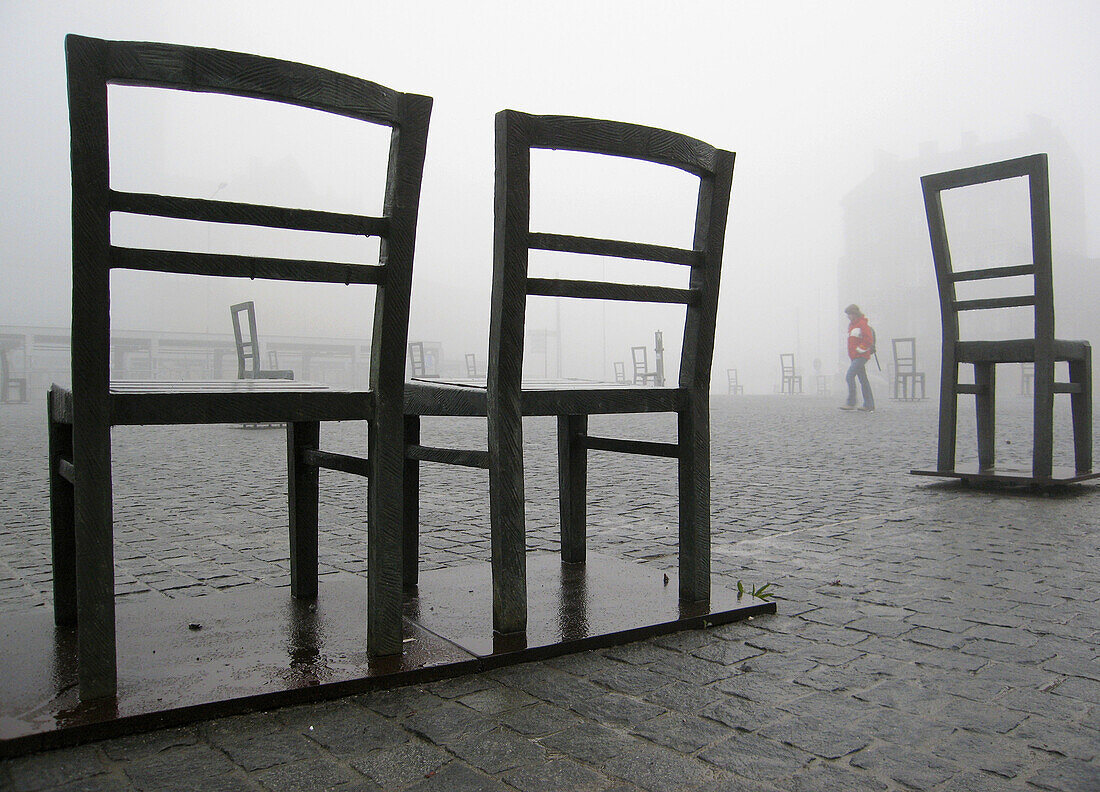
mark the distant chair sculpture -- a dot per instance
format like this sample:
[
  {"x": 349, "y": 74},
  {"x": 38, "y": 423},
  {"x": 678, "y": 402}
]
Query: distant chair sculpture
[
  {"x": 471, "y": 365},
  {"x": 735, "y": 388},
  {"x": 1027, "y": 378},
  {"x": 821, "y": 379},
  {"x": 906, "y": 376},
  {"x": 13, "y": 390},
  {"x": 418, "y": 361},
  {"x": 1043, "y": 350},
  {"x": 620, "y": 372},
  {"x": 248, "y": 346},
  {"x": 790, "y": 379},
  {"x": 642, "y": 374}
]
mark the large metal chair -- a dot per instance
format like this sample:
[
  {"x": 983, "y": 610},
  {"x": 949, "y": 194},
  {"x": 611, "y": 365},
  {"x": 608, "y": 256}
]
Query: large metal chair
[
  {"x": 1042, "y": 349},
  {"x": 735, "y": 387},
  {"x": 789, "y": 377},
  {"x": 80, "y": 419},
  {"x": 505, "y": 400}
]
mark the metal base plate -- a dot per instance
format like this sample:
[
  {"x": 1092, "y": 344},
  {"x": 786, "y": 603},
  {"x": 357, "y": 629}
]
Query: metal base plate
[
  {"x": 254, "y": 647},
  {"x": 971, "y": 473}
]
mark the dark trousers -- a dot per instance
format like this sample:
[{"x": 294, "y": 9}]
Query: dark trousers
[{"x": 858, "y": 370}]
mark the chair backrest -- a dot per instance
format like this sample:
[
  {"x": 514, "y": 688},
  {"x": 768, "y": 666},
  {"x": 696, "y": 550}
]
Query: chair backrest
[
  {"x": 905, "y": 355},
  {"x": 1041, "y": 295},
  {"x": 248, "y": 346},
  {"x": 786, "y": 363},
  {"x": 731, "y": 377},
  {"x": 641, "y": 363},
  {"x": 516, "y": 134},
  {"x": 93, "y": 64},
  {"x": 416, "y": 358}
]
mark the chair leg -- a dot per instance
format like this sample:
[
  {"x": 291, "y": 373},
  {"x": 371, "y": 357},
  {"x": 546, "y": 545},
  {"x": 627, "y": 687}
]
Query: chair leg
[
  {"x": 985, "y": 378},
  {"x": 506, "y": 517},
  {"x": 572, "y": 485},
  {"x": 694, "y": 485},
  {"x": 95, "y": 579},
  {"x": 1042, "y": 461},
  {"x": 302, "y": 490},
  {"x": 949, "y": 405},
  {"x": 62, "y": 529},
  {"x": 410, "y": 508},
  {"x": 385, "y": 542},
  {"x": 1080, "y": 373}
]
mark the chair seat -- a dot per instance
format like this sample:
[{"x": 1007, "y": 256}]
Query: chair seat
[
  {"x": 542, "y": 397},
  {"x": 1020, "y": 350},
  {"x": 149, "y": 402}
]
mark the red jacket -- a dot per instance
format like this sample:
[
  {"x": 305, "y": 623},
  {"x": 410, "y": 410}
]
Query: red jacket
[{"x": 861, "y": 339}]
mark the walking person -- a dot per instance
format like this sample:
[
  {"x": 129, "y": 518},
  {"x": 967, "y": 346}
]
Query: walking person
[{"x": 861, "y": 345}]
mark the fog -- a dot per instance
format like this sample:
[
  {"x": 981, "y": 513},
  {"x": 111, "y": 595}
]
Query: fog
[{"x": 834, "y": 110}]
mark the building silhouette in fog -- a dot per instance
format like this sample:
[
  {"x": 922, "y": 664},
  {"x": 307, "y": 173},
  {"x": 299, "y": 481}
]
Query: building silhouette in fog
[{"x": 886, "y": 262}]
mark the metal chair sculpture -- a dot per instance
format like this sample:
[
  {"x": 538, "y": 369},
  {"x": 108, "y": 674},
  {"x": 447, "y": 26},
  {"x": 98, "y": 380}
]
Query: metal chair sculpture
[
  {"x": 13, "y": 390},
  {"x": 1027, "y": 378},
  {"x": 248, "y": 346},
  {"x": 906, "y": 376},
  {"x": 80, "y": 420},
  {"x": 471, "y": 365},
  {"x": 735, "y": 388},
  {"x": 642, "y": 374},
  {"x": 790, "y": 379},
  {"x": 1043, "y": 349},
  {"x": 620, "y": 372},
  {"x": 505, "y": 401}
]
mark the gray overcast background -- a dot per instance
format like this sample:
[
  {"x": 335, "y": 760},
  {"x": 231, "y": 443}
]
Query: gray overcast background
[{"x": 807, "y": 94}]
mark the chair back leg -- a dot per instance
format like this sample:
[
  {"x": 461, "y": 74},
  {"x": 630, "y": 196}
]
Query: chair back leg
[
  {"x": 694, "y": 485},
  {"x": 62, "y": 527},
  {"x": 572, "y": 485},
  {"x": 410, "y": 508},
  {"x": 985, "y": 380},
  {"x": 1042, "y": 459},
  {"x": 1080, "y": 374},
  {"x": 303, "y": 481}
]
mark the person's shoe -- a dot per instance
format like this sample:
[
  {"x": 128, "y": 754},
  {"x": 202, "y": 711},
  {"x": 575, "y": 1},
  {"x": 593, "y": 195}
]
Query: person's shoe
[
  {"x": 866, "y": 409},
  {"x": 847, "y": 406}
]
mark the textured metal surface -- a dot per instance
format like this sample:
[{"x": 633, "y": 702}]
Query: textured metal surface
[{"x": 1042, "y": 349}]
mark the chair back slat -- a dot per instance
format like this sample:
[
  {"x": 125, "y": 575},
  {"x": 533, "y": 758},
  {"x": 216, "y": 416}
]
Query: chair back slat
[
  {"x": 603, "y": 290},
  {"x": 611, "y": 247},
  {"x": 238, "y": 266},
  {"x": 206, "y": 210},
  {"x": 994, "y": 272},
  {"x": 995, "y": 302}
]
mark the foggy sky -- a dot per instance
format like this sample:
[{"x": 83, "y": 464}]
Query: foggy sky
[{"x": 807, "y": 94}]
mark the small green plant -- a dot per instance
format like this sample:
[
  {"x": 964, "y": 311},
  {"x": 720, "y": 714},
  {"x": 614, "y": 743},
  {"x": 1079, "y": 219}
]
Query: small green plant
[{"x": 759, "y": 593}]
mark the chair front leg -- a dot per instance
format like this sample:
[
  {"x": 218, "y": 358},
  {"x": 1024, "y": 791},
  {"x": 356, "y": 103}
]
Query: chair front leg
[
  {"x": 572, "y": 485},
  {"x": 949, "y": 405},
  {"x": 410, "y": 507},
  {"x": 302, "y": 491},
  {"x": 62, "y": 528},
  {"x": 1042, "y": 461},
  {"x": 1080, "y": 374},
  {"x": 694, "y": 486},
  {"x": 985, "y": 378},
  {"x": 506, "y": 518}
]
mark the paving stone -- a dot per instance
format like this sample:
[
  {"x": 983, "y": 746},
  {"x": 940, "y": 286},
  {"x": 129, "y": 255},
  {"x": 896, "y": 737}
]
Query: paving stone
[
  {"x": 399, "y": 766},
  {"x": 457, "y": 777},
  {"x": 588, "y": 742},
  {"x": 657, "y": 769},
  {"x": 495, "y": 700},
  {"x": 830, "y": 776},
  {"x": 915, "y": 769},
  {"x": 557, "y": 775},
  {"x": 539, "y": 719},
  {"x": 681, "y": 732},
  {"x": 757, "y": 757},
  {"x": 255, "y": 742},
  {"x": 315, "y": 775},
  {"x": 40, "y": 771},
  {"x": 1067, "y": 775},
  {"x": 498, "y": 750},
  {"x": 344, "y": 728},
  {"x": 824, "y": 737},
  {"x": 618, "y": 709},
  {"x": 185, "y": 768}
]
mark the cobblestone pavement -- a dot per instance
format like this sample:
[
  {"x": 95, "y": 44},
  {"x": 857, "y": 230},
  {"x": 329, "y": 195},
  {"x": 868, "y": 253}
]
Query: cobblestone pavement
[{"x": 929, "y": 637}]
